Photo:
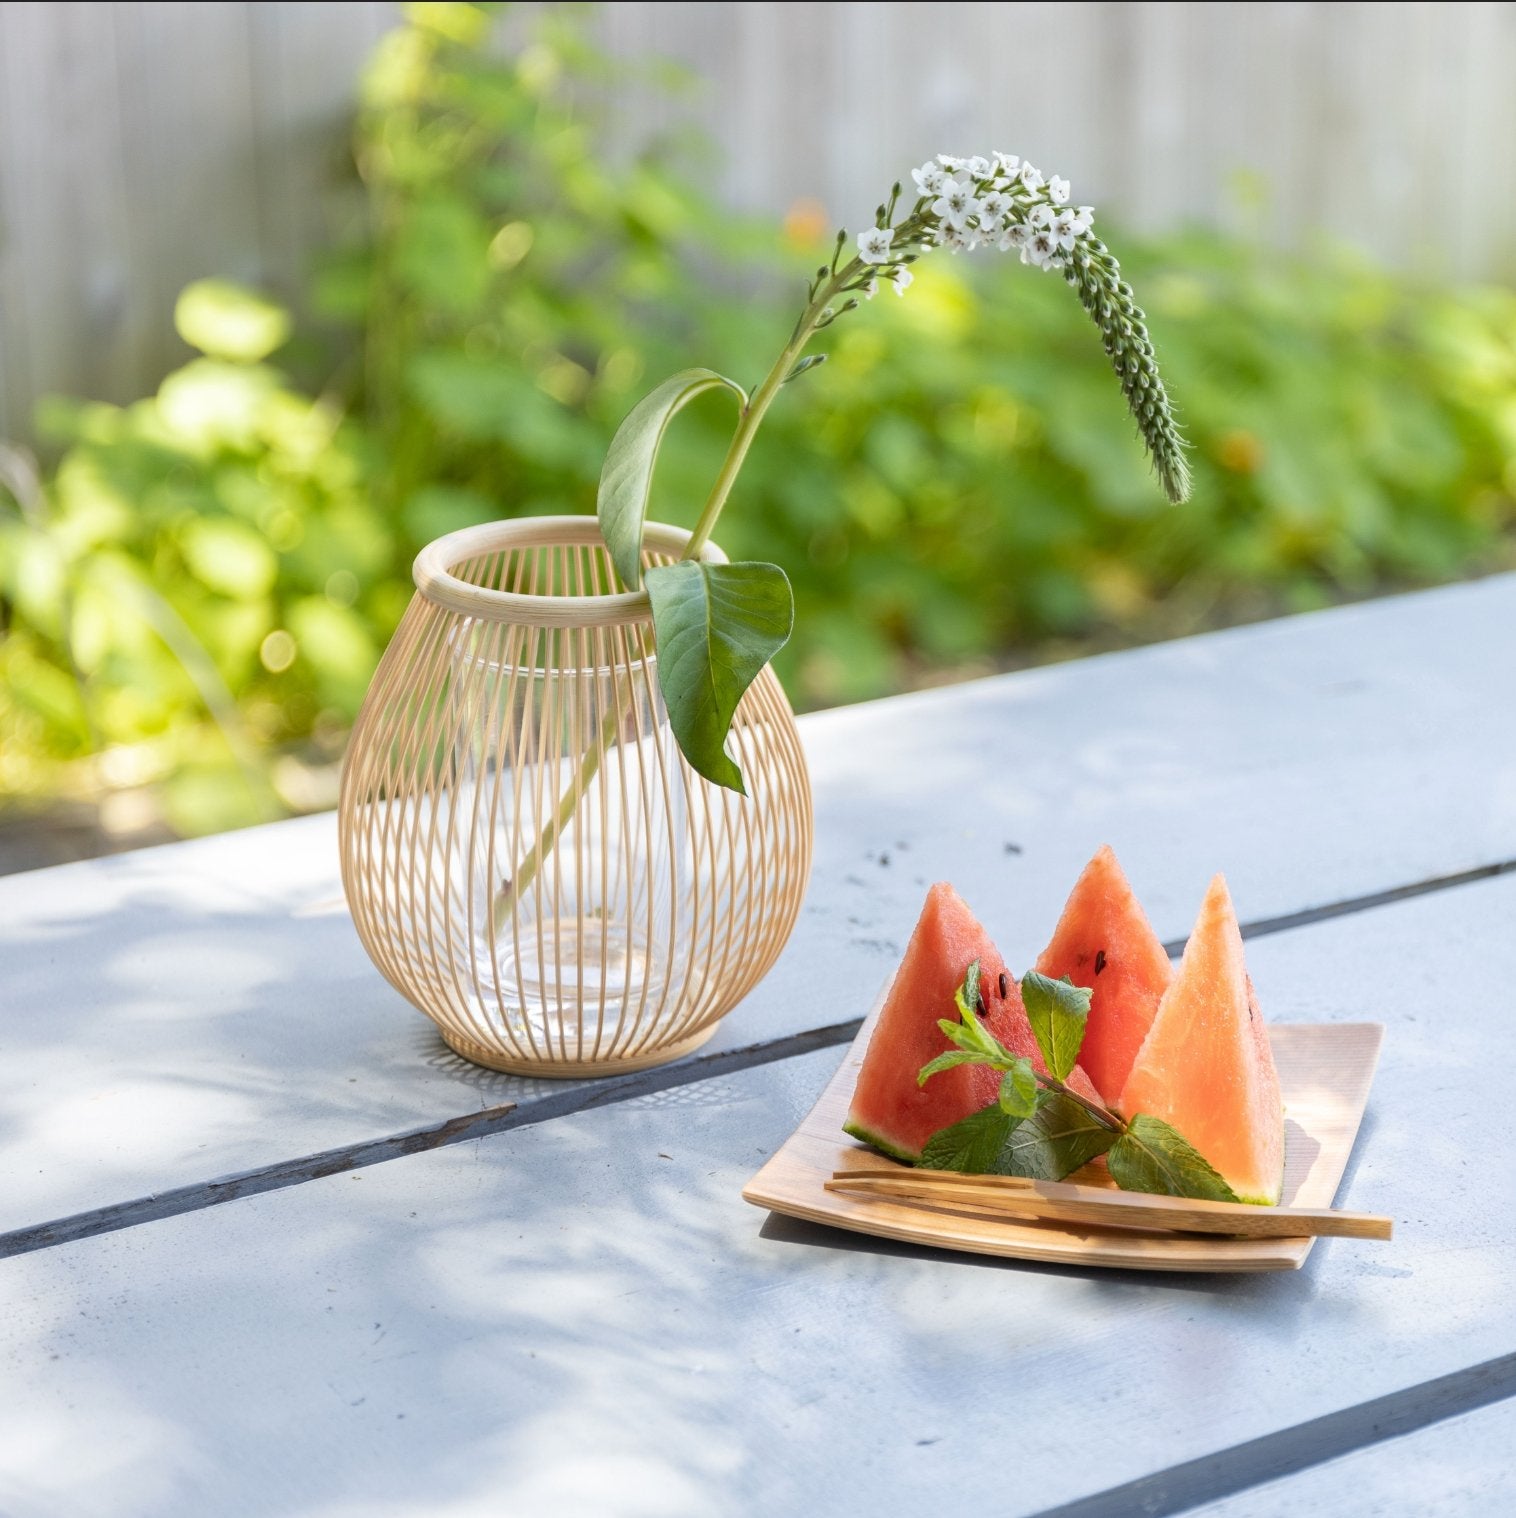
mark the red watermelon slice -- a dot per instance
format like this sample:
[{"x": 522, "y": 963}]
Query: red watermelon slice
[
  {"x": 890, "y": 1111},
  {"x": 1206, "y": 1068},
  {"x": 1104, "y": 941}
]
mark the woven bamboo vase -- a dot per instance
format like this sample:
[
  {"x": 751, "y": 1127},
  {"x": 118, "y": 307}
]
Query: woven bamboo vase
[{"x": 527, "y": 855}]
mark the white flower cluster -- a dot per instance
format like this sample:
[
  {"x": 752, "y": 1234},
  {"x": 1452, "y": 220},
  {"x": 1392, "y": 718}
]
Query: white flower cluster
[{"x": 998, "y": 200}]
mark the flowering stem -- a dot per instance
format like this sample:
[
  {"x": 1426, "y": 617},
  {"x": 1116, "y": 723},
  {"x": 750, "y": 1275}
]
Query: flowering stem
[
  {"x": 818, "y": 314},
  {"x": 1003, "y": 202},
  {"x": 762, "y": 398}
]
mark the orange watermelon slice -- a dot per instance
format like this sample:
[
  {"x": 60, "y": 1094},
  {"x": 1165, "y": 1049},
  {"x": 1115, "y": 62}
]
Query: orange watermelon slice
[
  {"x": 890, "y": 1111},
  {"x": 1104, "y": 941},
  {"x": 1205, "y": 1066}
]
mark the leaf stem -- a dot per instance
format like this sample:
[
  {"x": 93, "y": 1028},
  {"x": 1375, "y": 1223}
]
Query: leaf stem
[
  {"x": 758, "y": 405},
  {"x": 589, "y": 766},
  {"x": 1107, "y": 1119}
]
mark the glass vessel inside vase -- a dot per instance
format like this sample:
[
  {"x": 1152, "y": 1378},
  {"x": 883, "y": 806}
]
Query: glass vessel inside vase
[{"x": 578, "y": 863}]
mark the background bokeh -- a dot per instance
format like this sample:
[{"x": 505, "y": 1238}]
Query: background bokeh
[{"x": 285, "y": 314}]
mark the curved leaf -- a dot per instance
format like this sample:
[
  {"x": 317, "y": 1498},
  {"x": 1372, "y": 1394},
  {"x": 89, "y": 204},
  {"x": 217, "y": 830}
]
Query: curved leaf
[
  {"x": 627, "y": 478},
  {"x": 717, "y": 625}
]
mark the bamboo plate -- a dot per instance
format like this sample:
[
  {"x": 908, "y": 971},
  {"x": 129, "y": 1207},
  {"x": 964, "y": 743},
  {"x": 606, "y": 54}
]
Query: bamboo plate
[{"x": 1325, "y": 1070}]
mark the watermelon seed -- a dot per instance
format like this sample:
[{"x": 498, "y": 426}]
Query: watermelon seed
[
  {"x": 1099, "y": 960},
  {"x": 1005, "y": 985}
]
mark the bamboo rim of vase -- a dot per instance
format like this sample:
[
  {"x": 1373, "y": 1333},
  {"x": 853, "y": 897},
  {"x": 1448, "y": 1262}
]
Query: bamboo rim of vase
[{"x": 436, "y": 582}]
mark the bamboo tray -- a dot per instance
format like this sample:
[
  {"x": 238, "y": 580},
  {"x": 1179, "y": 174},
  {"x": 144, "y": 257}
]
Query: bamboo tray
[{"x": 1325, "y": 1070}]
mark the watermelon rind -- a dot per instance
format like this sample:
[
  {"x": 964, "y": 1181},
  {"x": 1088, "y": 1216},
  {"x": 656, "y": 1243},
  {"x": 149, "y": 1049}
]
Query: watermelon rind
[{"x": 881, "y": 1143}]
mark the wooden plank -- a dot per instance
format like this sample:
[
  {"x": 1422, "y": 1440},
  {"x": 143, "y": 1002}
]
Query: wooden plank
[
  {"x": 585, "y": 1317},
  {"x": 1461, "y": 1466},
  {"x": 178, "y": 1014},
  {"x": 187, "y": 138},
  {"x": 306, "y": 61},
  {"x": 66, "y": 273}
]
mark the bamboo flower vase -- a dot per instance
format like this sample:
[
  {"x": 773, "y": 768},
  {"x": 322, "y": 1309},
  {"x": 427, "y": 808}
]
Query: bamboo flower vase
[{"x": 527, "y": 855}]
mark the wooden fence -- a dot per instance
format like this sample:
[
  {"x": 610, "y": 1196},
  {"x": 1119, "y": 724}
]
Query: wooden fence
[{"x": 143, "y": 145}]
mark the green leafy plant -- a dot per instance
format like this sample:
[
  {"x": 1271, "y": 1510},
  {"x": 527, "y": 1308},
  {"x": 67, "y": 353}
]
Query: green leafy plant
[{"x": 1039, "y": 1127}]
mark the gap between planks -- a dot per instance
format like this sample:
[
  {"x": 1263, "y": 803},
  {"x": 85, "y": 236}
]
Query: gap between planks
[
  {"x": 579, "y": 1098},
  {"x": 1299, "y": 1447}
]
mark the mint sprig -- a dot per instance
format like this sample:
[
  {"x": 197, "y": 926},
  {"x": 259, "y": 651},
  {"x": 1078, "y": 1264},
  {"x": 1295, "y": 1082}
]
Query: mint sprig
[{"x": 1037, "y": 1126}]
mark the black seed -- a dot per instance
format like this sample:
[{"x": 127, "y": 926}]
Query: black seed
[
  {"x": 1005, "y": 987},
  {"x": 1099, "y": 960}
]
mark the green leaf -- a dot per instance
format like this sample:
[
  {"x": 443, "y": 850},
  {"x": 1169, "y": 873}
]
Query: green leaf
[
  {"x": 945, "y": 1062},
  {"x": 717, "y": 625},
  {"x": 1056, "y": 1140},
  {"x": 1018, "y": 1090},
  {"x": 627, "y": 478},
  {"x": 1152, "y": 1156},
  {"x": 1057, "y": 1011},
  {"x": 958, "y": 1033},
  {"x": 973, "y": 1144},
  {"x": 968, "y": 994},
  {"x": 229, "y": 321}
]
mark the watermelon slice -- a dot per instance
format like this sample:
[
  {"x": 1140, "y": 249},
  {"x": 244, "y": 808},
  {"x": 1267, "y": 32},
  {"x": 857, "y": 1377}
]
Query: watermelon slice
[
  {"x": 1205, "y": 1066},
  {"x": 1104, "y": 941},
  {"x": 890, "y": 1111}
]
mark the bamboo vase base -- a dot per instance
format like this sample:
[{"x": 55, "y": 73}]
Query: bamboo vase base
[{"x": 572, "y": 1069}]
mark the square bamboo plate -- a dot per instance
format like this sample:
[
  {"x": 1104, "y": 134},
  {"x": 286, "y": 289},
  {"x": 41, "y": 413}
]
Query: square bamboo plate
[{"x": 1325, "y": 1070}]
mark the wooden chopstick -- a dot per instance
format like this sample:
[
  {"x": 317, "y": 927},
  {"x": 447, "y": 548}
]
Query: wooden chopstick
[{"x": 1060, "y": 1200}]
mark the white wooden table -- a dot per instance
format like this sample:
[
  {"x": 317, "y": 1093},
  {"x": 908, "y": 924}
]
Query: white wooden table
[{"x": 268, "y": 1248}]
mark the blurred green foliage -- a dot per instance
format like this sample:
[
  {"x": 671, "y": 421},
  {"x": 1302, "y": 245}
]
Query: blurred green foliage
[{"x": 194, "y": 598}]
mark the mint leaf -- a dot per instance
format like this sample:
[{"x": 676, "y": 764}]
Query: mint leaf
[
  {"x": 1152, "y": 1156},
  {"x": 1018, "y": 1090},
  {"x": 1055, "y": 1141},
  {"x": 968, "y": 1039},
  {"x": 969, "y": 994},
  {"x": 1057, "y": 1011},
  {"x": 973, "y": 1144},
  {"x": 945, "y": 1062}
]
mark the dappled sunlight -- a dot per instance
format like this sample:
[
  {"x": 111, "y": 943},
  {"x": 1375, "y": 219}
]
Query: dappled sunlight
[
  {"x": 91, "y": 1125},
  {"x": 131, "y": 1462}
]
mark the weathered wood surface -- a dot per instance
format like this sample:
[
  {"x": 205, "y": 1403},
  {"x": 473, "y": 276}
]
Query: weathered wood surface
[
  {"x": 179, "y": 1014},
  {"x": 584, "y": 1317},
  {"x": 1464, "y": 1466},
  {"x": 143, "y": 145}
]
